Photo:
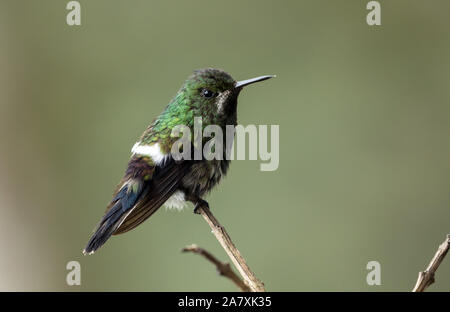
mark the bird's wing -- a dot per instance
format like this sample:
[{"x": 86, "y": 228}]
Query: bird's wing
[
  {"x": 144, "y": 189},
  {"x": 164, "y": 183}
]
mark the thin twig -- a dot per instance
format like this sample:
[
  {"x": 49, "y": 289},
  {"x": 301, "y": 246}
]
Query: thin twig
[
  {"x": 426, "y": 278},
  {"x": 224, "y": 269},
  {"x": 224, "y": 239}
]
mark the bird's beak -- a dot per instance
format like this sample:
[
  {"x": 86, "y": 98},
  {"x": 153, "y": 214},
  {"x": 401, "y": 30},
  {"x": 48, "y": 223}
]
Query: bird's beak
[{"x": 244, "y": 83}]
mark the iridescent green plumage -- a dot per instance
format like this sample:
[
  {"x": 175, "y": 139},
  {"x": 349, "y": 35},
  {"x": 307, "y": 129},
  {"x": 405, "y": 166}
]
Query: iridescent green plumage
[
  {"x": 153, "y": 177},
  {"x": 189, "y": 103}
]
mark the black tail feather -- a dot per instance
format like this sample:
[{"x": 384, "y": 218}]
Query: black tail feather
[{"x": 124, "y": 203}]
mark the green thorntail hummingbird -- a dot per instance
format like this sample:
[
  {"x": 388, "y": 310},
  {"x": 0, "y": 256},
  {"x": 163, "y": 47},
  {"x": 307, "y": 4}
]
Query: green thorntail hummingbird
[{"x": 153, "y": 177}]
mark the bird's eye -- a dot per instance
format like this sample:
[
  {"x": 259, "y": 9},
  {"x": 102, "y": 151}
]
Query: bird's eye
[{"x": 207, "y": 93}]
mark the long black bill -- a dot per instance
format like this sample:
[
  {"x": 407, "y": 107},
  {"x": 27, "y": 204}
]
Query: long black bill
[{"x": 244, "y": 83}]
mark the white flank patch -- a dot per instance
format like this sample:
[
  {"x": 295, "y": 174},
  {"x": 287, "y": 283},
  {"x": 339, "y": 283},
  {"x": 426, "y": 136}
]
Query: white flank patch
[
  {"x": 153, "y": 151},
  {"x": 176, "y": 201}
]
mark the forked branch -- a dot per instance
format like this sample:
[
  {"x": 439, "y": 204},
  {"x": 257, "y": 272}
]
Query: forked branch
[
  {"x": 224, "y": 239},
  {"x": 224, "y": 269}
]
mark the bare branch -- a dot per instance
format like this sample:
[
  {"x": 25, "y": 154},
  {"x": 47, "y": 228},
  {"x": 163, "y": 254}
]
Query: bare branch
[
  {"x": 224, "y": 269},
  {"x": 224, "y": 239},
  {"x": 426, "y": 278}
]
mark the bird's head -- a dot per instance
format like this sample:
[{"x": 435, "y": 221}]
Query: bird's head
[{"x": 212, "y": 94}]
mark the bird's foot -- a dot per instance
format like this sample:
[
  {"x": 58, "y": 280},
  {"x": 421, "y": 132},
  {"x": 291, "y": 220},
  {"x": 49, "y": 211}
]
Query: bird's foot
[{"x": 201, "y": 203}]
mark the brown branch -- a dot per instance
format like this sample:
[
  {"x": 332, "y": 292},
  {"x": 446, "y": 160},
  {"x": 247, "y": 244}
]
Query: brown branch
[
  {"x": 224, "y": 269},
  {"x": 426, "y": 278},
  {"x": 224, "y": 239}
]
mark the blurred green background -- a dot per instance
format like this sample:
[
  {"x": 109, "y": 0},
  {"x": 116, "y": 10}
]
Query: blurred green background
[{"x": 364, "y": 115}]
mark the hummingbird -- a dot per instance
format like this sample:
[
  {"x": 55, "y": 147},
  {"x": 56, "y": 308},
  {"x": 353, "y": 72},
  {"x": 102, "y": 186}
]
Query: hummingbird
[{"x": 153, "y": 177}]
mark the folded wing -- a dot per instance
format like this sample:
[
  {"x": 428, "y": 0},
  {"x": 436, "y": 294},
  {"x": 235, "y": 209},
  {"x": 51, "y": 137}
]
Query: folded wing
[{"x": 144, "y": 189}]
